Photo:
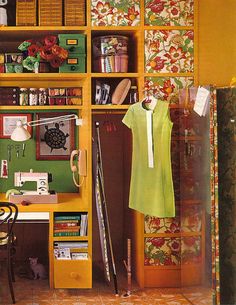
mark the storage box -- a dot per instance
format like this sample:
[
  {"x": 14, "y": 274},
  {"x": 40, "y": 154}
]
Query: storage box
[
  {"x": 73, "y": 64},
  {"x": 9, "y": 96},
  {"x": 74, "y": 43},
  {"x": 74, "y": 96},
  {"x": 57, "y": 96},
  {"x": 2, "y": 68},
  {"x": 13, "y": 68},
  {"x": 75, "y": 12},
  {"x": 26, "y": 12},
  {"x": 13, "y": 57},
  {"x": 50, "y": 12}
]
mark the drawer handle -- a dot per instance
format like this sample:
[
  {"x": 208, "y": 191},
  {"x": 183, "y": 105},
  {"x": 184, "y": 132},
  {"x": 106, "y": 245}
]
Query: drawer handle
[
  {"x": 74, "y": 275},
  {"x": 73, "y": 68},
  {"x": 72, "y": 49}
]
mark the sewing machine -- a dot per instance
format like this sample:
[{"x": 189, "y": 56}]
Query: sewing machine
[
  {"x": 42, "y": 180},
  {"x": 41, "y": 195}
]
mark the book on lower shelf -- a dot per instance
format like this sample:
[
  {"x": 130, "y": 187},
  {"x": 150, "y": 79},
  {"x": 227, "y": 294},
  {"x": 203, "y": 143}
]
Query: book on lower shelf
[
  {"x": 70, "y": 225},
  {"x": 71, "y": 250}
]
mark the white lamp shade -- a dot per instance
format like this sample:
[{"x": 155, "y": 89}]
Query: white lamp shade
[{"x": 20, "y": 133}]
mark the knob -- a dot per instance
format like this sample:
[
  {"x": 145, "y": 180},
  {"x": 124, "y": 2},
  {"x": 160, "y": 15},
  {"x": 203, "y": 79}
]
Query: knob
[{"x": 73, "y": 275}]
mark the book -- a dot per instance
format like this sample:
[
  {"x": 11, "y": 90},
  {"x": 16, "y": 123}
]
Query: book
[
  {"x": 66, "y": 225},
  {"x": 77, "y": 256},
  {"x": 83, "y": 224},
  {"x": 67, "y": 233},
  {"x": 69, "y": 217},
  {"x": 63, "y": 253},
  {"x": 66, "y": 230},
  {"x": 62, "y": 221},
  {"x": 71, "y": 244}
]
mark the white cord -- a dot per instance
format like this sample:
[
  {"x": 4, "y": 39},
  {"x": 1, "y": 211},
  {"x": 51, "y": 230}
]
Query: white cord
[{"x": 75, "y": 182}]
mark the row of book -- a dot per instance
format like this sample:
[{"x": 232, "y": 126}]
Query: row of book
[
  {"x": 71, "y": 250},
  {"x": 71, "y": 225}
]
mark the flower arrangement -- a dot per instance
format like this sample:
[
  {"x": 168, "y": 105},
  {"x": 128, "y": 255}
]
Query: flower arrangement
[{"x": 43, "y": 50}]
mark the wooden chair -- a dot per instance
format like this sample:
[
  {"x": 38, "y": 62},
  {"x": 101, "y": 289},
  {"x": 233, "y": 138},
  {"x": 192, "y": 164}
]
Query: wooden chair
[{"x": 8, "y": 216}]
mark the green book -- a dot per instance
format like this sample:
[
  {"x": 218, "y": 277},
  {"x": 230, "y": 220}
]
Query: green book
[
  {"x": 66, "y": 234},
  {"x": 69, "y": 217}
]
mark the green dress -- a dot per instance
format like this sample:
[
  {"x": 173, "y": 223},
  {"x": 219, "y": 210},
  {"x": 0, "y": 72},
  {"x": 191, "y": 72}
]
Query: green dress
[{"x": 151, "y": 186}]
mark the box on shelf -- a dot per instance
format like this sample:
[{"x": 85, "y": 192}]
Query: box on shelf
[
  {"x": 13, "y": 68},
  {"x": 73, "y": 64},
  {"x": 50, "y": 12},
  {"x": 2, "y": 68},
  {"x": 13, "y": 58},
  {"x": 75, "y": 12},
  {"x": 26, "y": 12},
  {"x": 74, "y": 43},
  {"x": 56, "y": 96},
  {"x": 9, "y": 96},
  {"x": 74, "y": 96}
]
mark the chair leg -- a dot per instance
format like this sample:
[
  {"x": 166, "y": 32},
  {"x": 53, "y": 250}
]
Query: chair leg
[{"x": 9, "y": 271}]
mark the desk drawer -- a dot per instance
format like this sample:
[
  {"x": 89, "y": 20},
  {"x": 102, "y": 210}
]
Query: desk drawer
[{"x": 72, "y": 273}]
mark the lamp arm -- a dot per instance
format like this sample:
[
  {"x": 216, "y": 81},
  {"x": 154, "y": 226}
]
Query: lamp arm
[{"x": 63, "y": 118}]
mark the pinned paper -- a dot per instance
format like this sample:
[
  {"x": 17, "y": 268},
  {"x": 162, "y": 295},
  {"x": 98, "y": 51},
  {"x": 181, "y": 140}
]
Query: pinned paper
[
  {"x": 202, "y": 101},
  {"x": 4, "y": 169}
]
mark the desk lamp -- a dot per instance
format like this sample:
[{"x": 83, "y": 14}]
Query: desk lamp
[{"x": 20, "y": 133}]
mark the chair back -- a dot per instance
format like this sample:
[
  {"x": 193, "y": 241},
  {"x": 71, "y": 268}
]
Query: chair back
[{"x": 8, "y": 216}]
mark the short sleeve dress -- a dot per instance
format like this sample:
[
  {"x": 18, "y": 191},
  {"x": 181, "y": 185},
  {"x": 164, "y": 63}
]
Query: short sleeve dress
[{"x": 151, "y": 186}]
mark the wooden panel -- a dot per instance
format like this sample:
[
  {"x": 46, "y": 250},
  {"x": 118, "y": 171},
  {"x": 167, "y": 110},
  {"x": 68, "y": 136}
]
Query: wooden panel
[
  {"x": 167, "y": 277},
  {"x": 72, "y": 273}
]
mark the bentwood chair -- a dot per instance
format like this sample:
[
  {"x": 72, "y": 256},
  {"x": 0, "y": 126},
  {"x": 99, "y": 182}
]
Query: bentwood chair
[{"x": 8, "y": 216}]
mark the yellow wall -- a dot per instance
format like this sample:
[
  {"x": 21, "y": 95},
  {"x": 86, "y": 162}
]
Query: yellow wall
[{"x": 217, "y": 41}]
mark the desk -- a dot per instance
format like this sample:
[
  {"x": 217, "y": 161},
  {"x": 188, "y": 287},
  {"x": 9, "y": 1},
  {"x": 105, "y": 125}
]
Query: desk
[{"x": 67, "y": 202}]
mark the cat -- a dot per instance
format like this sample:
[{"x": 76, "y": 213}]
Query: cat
[{"x": 38, "y": 269}]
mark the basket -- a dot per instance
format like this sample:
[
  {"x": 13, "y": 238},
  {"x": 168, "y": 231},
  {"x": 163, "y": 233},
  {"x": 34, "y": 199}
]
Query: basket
[
  {"x": 75, "y": 12},
  {"x": 26, "y": 12},
  {"x": 50, "y": 12}
]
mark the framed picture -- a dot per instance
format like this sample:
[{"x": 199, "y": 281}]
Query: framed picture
[
  {"x": 54, "y": 141},
  {"x": 8, "y": 123}
]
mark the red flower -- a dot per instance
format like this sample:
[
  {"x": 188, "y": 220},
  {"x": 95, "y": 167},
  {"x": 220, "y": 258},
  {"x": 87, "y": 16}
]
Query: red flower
[
  {"x": 189, "y": 34},
  {"x": 155, "y": 222},
  {"x": 174, "y": 69},
  {"x": 175, "y": 246},
  {"x": 157, "y": 63},
  {"x": 46, "y": 53},
  {"x": 56, "y": 62},
  {"x": 59, "y": 52},
  {"x": 189, "y": 241},
  {"x": 168, "y": 88},
  {"x": 156, "y": 6},
  {"x": 33, "y": 50},
  {"x": 175, "y": 54},
  {"x": 131, "y": 14},
  {"x": 174, "y": 11},
  {"x": 158, "y": 242},
  {"x": 50, "y": 40}
]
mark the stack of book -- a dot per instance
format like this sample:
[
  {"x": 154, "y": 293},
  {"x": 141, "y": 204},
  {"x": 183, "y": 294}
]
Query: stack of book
[
  {"x": 67, "y": 225},
  {"x": 71, "y": 250}
]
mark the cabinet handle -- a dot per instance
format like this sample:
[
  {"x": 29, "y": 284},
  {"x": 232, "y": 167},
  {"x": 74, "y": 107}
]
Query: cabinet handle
[
  {"x": 74, "y": 275},
  {"x": 73, "y": 68},
  {"x": 72, "y": 49}
]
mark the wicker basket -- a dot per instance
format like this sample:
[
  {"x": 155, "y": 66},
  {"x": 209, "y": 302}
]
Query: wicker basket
[
  {"x": 50, "y": 12},
  {"x": 26, "y": 12},
  {"x": 75, "y": 12}
]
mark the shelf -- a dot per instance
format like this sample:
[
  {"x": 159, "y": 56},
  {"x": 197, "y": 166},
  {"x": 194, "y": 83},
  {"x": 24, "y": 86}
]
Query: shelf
[
  {"x": 171, "y": 235},
  {"x": 68, "y": 202},
  {"x": 47, "y": 107},
  {"x": 71, "y": 238},
  {"x": 109, "y": 107},
  {"x": 122, "y": 75},
  {"x": 42, "y": 76}
]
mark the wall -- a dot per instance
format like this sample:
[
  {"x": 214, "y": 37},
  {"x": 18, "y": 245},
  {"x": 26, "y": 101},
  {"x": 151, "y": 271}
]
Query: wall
[{"x": 217, "y": 42}]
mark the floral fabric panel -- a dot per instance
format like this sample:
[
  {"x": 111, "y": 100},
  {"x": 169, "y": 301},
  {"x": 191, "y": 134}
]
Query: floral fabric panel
[
  {"x": 161, "y": 225},
  {"x": 169, "y": 13},
  {"x": 191, "y": 249},
  {"x": 169, "y": 51},
  {"x": 167, "y": 87},
  {"x": 191, "y": 219},
  {"x": 115, "y": 12},
  {"x": 160, "y": 251}
]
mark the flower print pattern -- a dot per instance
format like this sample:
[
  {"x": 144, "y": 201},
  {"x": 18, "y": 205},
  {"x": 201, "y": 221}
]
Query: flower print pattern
[
  {"x": 174, "y": 53},
  {"x": 161, "y": 225},
  {"x": 169, "y": 12},
  {"x": 161, "y": 251},
  {"x": 167, "y": 88},
  {"x": 191, "y": 250},
  {"x": 115, "y": 13},
  {"x": 191, "y": 219}
]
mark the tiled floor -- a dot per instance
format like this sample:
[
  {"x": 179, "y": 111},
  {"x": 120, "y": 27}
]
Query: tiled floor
[{"x": 37, "y": 292}]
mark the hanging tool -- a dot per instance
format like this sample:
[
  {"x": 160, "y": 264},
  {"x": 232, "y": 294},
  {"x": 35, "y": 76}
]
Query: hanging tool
[
  {"x": 9, "y": 149},
  {"x": 104, "y": 206},
  {"x": 23, "y": 149}
]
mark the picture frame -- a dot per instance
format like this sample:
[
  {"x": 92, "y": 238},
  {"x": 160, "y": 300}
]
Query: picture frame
[
  {"x": 54, "y": 141},
  {"x": 8, "y": 123}
]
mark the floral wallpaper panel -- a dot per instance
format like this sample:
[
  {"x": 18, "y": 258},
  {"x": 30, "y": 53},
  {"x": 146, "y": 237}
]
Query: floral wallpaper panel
[
  {"x": 165, "y": 87},
  {"x": 115, "y": 13},
  {"x": 161, "y": 225},
  {"x": 161, "y": 251},
  {"x": 191, "y": 250},
  {"x": 169, "y": 13},
  {"x": 191, "y": 218},
  {"x": 169, "y": 51}
]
